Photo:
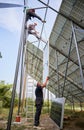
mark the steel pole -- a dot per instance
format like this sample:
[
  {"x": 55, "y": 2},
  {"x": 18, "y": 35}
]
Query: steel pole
[
  {"x": 67, "y": 64},
  {"x": 22, "y": 60},
  {"x": 64, "y": 15},
  {"x": 15, "y": 81},
  {"x": 78, "y": 55},
  {"x": 16, "y": 76}
]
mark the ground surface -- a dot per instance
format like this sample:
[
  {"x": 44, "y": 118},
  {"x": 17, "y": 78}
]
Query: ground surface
[
  {"x": 74, "y": 122},
  {"x": 45, "y": 124}
]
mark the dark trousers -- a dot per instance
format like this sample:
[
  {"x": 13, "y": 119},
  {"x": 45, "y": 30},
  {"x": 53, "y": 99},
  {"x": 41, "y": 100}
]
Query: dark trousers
[{"x": 38, "y": 113}]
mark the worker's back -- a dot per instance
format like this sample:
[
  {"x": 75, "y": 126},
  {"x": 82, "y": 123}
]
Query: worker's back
[{"x": 39, "y": 95}]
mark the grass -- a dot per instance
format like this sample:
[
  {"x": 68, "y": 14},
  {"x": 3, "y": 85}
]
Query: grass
[
  {"x": 4, "y": 113},
  {"x": 22, "y": 127},
  {"x": 67, "y": 112}
]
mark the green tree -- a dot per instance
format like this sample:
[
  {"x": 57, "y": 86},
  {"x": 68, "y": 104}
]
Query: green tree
[{"x": 5, "y": 94}]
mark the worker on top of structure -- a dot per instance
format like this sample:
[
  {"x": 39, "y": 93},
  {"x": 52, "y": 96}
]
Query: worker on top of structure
[
  {"x": 31, "y": 30},
  {"x": 31, "y": 13},
  {"x": 39, "y": 101}
]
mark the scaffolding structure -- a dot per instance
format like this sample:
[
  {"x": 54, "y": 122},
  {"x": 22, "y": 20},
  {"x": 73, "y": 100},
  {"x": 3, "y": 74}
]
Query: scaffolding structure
[
  {"x": 66, "y": 56},
  {"x": 66, "y": 53}
]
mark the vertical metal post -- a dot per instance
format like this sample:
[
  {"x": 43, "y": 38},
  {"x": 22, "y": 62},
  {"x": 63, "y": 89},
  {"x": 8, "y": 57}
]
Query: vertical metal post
[
  {"x": 21, "y": 82},
  {"x": 21, "y": 78},
  {"x": 77, "y": 50},
  {"x": 24, "y": 89},
  {"x": 15, "y": 80},
  {"x": 57, "y": 74},
  {"x": 22, "y": 61},
  {"x": 16, "y": 76},
  {"x": 73, "y": 103},
  {"x": 81, "y": 106},
  {"x": 25, "y": 66},
  {"x": 0, "y": 55},
  {"x": 67, "y": 64}
]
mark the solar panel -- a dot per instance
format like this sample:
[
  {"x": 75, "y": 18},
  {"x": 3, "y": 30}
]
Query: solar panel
[{"x": 57, "y": 111}]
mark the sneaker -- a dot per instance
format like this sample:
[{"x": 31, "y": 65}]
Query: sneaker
[{"x": 37, "y": 127}]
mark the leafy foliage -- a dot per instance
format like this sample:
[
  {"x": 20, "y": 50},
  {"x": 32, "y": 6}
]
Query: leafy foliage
[{"x": 5, "y": 94}]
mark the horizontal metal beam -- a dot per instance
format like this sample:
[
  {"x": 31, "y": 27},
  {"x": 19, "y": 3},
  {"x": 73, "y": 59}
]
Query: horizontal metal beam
[
  {"x": 70, "y": 18},
  {"x": 60, "y": 73},
  {"x": 61, "y": 52},
  {"x": 67, "y": 98}
]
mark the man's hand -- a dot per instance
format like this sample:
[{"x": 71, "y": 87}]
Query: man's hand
[{"x": 43, "y": 21}]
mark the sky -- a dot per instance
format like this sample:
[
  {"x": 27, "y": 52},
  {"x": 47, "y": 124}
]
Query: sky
[{"x": 10, "y": 31}]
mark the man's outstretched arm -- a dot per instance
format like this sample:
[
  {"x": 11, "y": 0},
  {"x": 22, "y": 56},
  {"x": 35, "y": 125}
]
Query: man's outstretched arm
[{"x": 45, "y": 83}]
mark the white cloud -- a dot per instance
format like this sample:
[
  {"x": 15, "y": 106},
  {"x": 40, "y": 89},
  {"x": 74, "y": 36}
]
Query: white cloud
[{"x": 11, "y": 19}]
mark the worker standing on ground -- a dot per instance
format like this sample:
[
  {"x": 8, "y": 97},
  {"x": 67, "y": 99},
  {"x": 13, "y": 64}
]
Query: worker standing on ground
[
  {"x": 39, "y": 101},
  {"x": 31, "y": 13}
]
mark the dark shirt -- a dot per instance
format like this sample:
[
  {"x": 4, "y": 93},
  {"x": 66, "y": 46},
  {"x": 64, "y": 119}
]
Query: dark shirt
[
  {"x": 32, "y": 14},
  {"x": 39, "y": 96},
  {"x": 39, "y": 92}
]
